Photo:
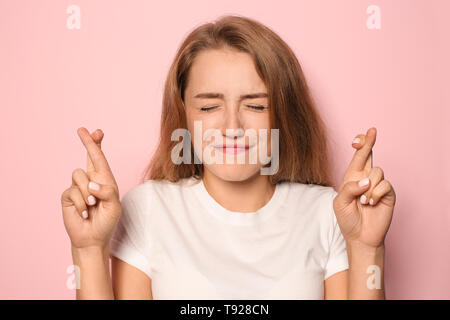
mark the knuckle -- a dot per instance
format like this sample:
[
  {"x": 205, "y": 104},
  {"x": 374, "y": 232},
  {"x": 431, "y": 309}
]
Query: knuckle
[
  {"x": 377, "y": 170},
  {"x": 110, "y": 191},
  {"x": 75, "y": 192},
  {"x": 375, "y": 194},
  {"x": 77, "y": 172},
  {"x": 65, "y": 194},
  {"x": 81, "y": 205},
  {"x": 347, "y": 184},
  {"x": 74, "y": 196},
  {"x": 71, "y": 191}
]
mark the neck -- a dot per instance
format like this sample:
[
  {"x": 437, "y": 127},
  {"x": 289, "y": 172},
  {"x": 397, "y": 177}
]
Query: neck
[{"x": 241, "y": 196}]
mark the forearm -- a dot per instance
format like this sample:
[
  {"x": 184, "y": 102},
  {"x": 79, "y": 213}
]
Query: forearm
[
  {"x": 95, "y": 279},
  {"x": 366, "y": 272}
]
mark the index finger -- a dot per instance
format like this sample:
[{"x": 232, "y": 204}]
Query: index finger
[
  {"x": 362, "y": 159},
  {"x": 95, "y": 154}
]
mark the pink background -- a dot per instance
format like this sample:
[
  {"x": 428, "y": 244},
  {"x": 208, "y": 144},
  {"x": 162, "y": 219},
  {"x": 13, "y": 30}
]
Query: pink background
[{"x": 110, "y": 74}]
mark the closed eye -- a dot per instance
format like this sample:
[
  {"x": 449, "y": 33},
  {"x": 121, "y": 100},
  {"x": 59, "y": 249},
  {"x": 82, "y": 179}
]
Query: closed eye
[
  {"x": 258, "y": 107},
  {"x": 254, "y": 107},
  {"x": 208, "y": 108}
]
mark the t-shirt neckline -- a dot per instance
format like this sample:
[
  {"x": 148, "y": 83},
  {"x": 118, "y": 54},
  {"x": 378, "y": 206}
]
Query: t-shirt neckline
[{"x": 241, "y": 218}]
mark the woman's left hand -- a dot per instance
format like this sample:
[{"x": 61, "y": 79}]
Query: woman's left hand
[{"x": 364, "y": 213}]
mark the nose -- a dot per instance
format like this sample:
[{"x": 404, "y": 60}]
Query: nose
[{"x": 232, "y": 126}]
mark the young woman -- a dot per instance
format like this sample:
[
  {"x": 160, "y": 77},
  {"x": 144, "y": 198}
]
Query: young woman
[{"x": 209, "y": 230}]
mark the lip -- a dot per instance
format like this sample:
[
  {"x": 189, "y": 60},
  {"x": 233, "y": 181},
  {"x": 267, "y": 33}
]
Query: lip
[{"x": 233, "y": 149}]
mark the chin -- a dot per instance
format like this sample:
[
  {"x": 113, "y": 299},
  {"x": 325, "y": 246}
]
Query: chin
[{"x": 234, "y": 172}]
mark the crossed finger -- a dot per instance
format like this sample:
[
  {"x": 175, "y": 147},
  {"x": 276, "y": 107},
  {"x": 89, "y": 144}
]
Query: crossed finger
[
  {"x": 96, "y": 159},
  {"x": 363, "y": 157},
  {"x": 97, "y": 136}
]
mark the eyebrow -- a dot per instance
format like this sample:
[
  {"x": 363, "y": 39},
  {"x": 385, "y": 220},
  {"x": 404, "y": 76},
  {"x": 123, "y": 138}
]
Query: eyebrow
[{"x": 213, "y": 95}]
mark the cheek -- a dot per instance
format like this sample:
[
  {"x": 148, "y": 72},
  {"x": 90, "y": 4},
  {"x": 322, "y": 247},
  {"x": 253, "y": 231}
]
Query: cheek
[
  {"x": 189, "y": 120},
  {"x": 204, "y": 123},
  {"x": 252, "y": 120},
  {"x": 260, "y": 124},
  {"x": 203, "y": 139}
]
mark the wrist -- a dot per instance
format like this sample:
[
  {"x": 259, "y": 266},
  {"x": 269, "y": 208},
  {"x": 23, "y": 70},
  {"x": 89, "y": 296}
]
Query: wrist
[
  {"x": 356, "y": 245},
  {"x": 90, "y": 252},
  {"x": 358, "y": 250},
  {"x": 366, "y": 270}
]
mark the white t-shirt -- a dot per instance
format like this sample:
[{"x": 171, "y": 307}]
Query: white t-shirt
[{"x": 193, "y": 248}]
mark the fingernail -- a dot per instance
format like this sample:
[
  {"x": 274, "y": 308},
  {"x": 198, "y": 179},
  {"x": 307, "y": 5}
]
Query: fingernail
[
  {"x": 94, "y": 186},
  {"x": 363, "y": 199},
  {"x": 84, "y": 214},
  {"x": 371, "y": 201},
  {"x": 356, "y": 140},
  {"x": 91, "y": 200},
  {"x": 363, "y": 182}
]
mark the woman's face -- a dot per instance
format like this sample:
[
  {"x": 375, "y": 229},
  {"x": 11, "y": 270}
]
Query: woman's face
[{"x": 217, "y": 96}]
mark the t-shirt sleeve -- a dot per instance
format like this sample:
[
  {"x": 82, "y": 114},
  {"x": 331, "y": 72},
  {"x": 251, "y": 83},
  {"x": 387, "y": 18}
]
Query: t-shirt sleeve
[
  {"x": 129, "y": 242},
  {"x": 337, "y": 258}
]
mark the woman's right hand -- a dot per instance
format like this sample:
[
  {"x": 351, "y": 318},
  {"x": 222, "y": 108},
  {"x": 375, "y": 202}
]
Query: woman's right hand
[{"x": 90, "y": 215}]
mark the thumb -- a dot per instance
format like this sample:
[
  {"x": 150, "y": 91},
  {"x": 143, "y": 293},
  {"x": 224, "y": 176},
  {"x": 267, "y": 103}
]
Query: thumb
[{"x": 351, "y": 190}]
